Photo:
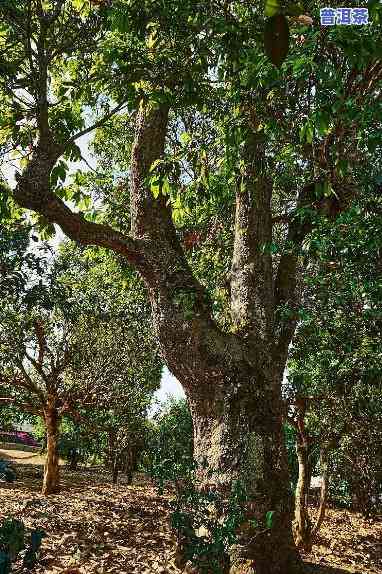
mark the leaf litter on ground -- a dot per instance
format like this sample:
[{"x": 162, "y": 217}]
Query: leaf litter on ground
[{"x": 94, "y": 527}]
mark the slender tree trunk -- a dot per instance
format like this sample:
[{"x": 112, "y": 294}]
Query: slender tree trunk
[
  {"x": 113, "y": 456},
  {"x": 51, "y": 483},
  {"x": 302, "y": 524},
  {"x": 309, "y": 471},
  {"x": 115, "y": 468},
  {"x": 130, "y": 462},
  {"x": 240, "y": 436},
  {"x": 324, "y": 468},
  {"x": 73, "y": 459}
]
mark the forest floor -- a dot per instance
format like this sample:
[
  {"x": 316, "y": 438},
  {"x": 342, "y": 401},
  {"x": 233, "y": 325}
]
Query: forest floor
[{"x": 95, "y": 528}]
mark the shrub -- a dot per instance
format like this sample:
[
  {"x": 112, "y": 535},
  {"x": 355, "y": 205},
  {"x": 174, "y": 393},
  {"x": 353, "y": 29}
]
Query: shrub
[
  {"x": 13, "y": 541},
  {"x": 169, "y": 453},
  {"x": 206, "y": 524},
  {"x": 7, "y": 473}
]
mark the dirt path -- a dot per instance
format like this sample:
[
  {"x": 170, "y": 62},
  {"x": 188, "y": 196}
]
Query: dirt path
[
  {"x": 23, "y": 457},
  {"x": 95, "y": 528}
]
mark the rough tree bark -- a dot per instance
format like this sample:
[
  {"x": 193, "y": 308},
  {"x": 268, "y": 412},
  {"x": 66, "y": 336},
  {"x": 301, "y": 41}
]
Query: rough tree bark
[
  {"x": 239, "y": 433},
  {"x": 51, "y": 483}
]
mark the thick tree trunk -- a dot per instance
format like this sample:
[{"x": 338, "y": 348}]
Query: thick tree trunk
[
  {"x": 240, "y": 436},
  {"x": 302, "y": 525},
  {"x": 238, "y": 423},
  {"x": 51, "y": 483}
]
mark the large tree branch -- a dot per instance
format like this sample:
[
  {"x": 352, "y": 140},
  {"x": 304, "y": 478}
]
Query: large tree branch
[
  {"x": 38, "y": 368},
  {"x": 33, "y": 192},
  {"x": 24, "y": 381},
  {"x": 190, "y": 340},
  {"x": 150, "y": 217},
  {"x": 286, "y": 278}
]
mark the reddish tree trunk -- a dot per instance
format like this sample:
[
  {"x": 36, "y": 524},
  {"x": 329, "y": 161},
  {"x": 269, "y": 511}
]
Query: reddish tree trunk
[
  {"x": 324, "y": 469},
  {"x": 51, "y": 483},
  {"x": 302, "y": 525}
]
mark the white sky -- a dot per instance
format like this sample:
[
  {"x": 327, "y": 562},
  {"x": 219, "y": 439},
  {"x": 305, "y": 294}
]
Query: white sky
[{"x": 170, "y": 386}]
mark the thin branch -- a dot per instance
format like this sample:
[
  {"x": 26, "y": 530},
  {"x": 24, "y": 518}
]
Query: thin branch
[
  {"x": 96, "y": 125},
  {"x": 28, "y": 383},
  {"x": 40, "y": 336}
]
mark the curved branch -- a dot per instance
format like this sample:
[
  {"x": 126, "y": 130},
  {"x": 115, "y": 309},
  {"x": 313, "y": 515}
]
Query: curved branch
[
  {"x": 27, "y": 383},
  {"x": 33, "y": 192}
]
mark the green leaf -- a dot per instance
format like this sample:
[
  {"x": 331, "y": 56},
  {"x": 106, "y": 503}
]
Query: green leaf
[
  {"x": 155, "y": 164},
  {"x": 269, "y": 518},
  {"x": 165, "y": 186},
  {"x": 309, "y": 133},
  {"x": 85, "y": 203},
  {"x": 276, "y": 39},
  {"x": 323, "y": 124},
  {"x": 272, "y": 7},
  {"x": 155, "y": 190},
  {"x": 58, "y": 173},
  {"x": 342, "y": 167},
  {"x": 185, "y": 138}
]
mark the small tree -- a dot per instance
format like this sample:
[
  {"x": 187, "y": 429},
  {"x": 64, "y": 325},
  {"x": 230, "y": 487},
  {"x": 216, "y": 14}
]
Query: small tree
[
  {"x": 65, "y": 355},
  {"x": 335, "y": 364}
]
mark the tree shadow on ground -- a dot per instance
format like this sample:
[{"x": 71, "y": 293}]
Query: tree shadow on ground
[{"x": 323, "y": 569}]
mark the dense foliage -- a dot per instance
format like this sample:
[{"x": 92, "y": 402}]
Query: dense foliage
[{"x": 169, "y": 451}]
